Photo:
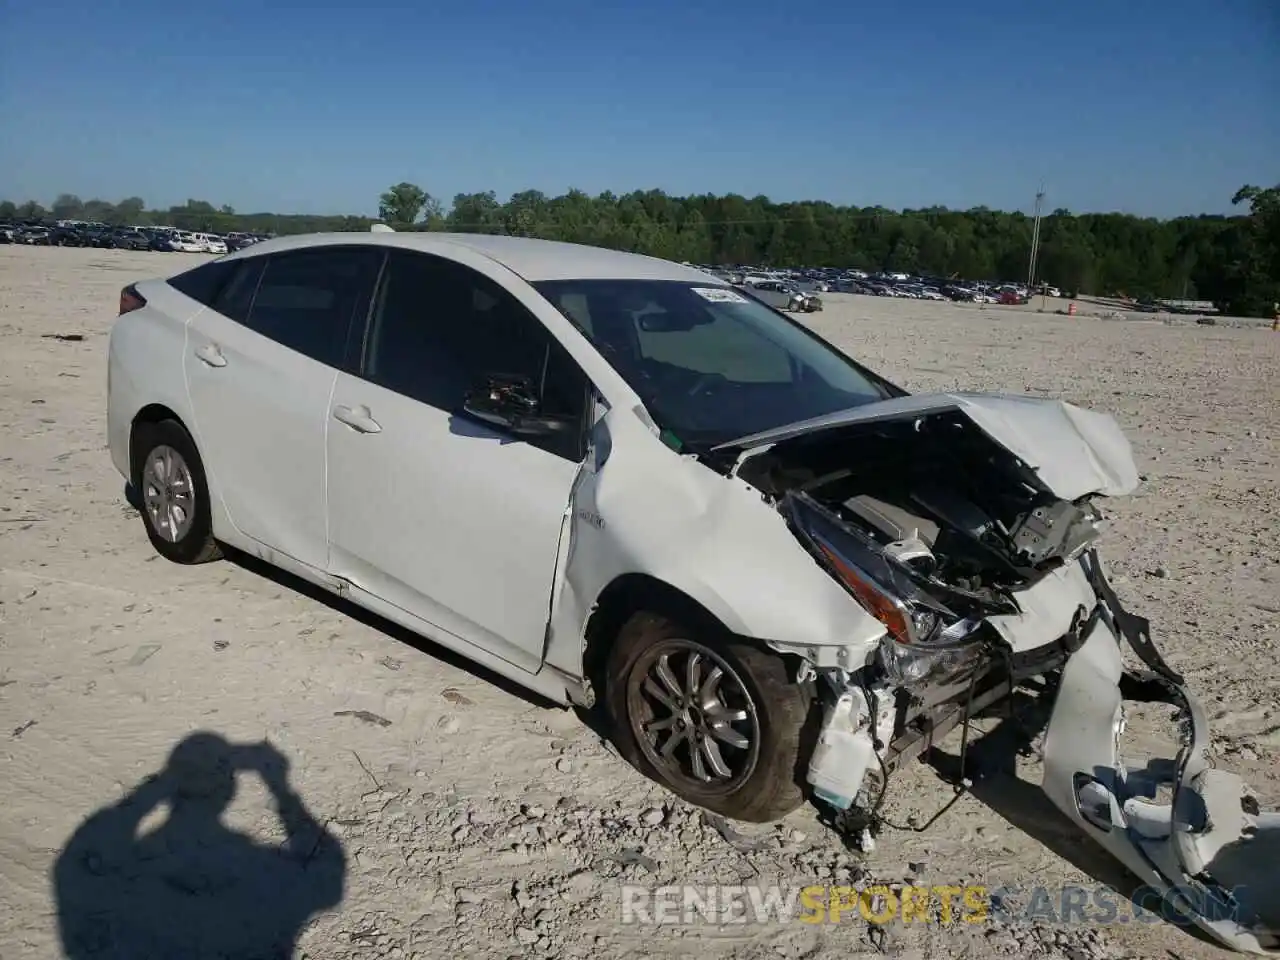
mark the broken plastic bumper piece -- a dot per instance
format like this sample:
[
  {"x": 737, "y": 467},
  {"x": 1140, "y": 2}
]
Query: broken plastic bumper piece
[{"x": 1208, "y": 849}]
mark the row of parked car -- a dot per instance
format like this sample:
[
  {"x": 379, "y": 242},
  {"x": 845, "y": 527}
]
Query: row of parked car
[
  {"x": 76, "y": 233},
  {"x": 800, "y": 289},
  {"x": 955, "y": 291}
]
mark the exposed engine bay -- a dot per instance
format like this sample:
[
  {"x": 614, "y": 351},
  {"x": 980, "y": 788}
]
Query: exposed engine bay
[
  {"x": 938, "y": 531},
  {"x": 938, "y": 498}
]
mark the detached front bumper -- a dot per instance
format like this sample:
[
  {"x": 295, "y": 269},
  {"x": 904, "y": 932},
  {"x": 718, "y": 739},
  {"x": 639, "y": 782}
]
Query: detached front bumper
[{"x": 1208, "y": 850}]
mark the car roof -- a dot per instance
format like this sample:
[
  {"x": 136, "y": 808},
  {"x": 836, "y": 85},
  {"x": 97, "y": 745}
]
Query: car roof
[{"x": 530, "y": 258}]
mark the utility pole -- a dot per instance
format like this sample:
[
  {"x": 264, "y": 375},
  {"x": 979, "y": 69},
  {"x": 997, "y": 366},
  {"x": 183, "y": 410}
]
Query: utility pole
[{"x": 1035, "y": 242}]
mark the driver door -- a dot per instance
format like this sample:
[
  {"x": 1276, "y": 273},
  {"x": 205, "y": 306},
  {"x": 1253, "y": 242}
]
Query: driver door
[{"x": 436, "y": 512}]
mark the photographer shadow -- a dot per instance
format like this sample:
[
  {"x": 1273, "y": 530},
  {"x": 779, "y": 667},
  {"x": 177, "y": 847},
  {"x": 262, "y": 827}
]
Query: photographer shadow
[{"x": 192, "y": 887}]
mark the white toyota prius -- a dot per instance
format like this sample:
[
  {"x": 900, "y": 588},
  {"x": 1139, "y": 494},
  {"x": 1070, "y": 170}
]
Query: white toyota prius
[{"x": 624, "y": 483}]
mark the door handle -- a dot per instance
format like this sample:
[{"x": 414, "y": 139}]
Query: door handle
[
  {"x": 211, "y": 355},
  {"x": 357, "y": 418}
]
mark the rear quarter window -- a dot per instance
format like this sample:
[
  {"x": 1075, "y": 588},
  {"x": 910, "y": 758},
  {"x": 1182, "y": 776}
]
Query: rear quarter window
[
  {"x": 203, "y": 283},
  {"x": 235, "y": 297}
]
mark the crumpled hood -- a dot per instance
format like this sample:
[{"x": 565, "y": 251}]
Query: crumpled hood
[{"x": 1072, "y": 451}]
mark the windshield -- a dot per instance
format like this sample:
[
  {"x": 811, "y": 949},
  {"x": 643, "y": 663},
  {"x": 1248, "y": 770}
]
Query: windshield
[{"x": 711, "y": 363}]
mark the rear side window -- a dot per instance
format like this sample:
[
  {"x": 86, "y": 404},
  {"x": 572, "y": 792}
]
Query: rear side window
[
  {"x": 203, "y": 283},
  {"x": 306, "y": 300}
]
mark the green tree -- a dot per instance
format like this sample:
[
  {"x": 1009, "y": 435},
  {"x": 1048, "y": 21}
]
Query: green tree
[
  {"x": 475, "y": 213},
  {"x": 401, "y": 204},
  {"x": 1255, "y": 271},
  {"x": 133, "y": 210},
  {"x": 100, "y": 210},
  {"x": 433, "y": 215},
  {"x": 67, "y": 207}
]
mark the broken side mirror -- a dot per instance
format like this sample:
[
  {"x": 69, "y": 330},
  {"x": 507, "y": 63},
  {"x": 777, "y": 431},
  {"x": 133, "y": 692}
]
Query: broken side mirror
[{"x": 511, "y": 403}]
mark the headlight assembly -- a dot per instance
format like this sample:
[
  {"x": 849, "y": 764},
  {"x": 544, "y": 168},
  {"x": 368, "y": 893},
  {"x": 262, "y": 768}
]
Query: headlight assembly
[
  {"x": 924, "y": 640},
  {"x": 906, "y": 664}
]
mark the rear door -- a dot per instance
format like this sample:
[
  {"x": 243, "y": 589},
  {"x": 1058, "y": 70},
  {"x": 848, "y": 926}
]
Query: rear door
[{"x": 260, "y": 368}]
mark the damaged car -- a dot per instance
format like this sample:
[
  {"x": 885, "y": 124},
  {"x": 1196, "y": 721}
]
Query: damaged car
[
  {"x": 628, "y": 486},
  {"x": 784, "y": 295}
]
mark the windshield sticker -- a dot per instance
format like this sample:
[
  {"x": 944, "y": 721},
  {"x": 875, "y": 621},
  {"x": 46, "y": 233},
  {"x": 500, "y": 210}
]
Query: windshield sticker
[{"x": 719, "y": 295}]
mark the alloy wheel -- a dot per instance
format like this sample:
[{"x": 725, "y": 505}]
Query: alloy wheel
[
  {"x": 168, "y": 493},
  {"x": 692, "y": 715}
]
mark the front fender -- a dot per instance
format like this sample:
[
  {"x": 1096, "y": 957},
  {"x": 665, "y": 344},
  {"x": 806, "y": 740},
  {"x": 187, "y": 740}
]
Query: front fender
[{"x": 641, "y": 508}]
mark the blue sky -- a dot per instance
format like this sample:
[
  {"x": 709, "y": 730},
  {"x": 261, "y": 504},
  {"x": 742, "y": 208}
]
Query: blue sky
[{"x": 1156, "y": 107}]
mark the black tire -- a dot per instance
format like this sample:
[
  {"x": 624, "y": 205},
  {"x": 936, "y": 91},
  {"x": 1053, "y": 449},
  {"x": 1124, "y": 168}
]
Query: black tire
[
  {"x": 771, "y": 782},
  {"x": 196, "y": 543}
]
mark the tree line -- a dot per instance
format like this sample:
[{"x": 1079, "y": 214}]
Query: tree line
[{"x": 1231, "y": 260}]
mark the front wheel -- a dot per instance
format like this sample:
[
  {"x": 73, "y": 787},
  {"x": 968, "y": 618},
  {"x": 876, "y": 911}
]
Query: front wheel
[
  {"x": 170, "y": 482},
  {"x": 716, "y": 720}
]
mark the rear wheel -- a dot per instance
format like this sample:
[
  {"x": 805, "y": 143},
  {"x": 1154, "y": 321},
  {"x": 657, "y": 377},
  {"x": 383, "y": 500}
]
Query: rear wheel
[
  {"x": 716, "y": 720},
  {"x": 171, "y": 486}
]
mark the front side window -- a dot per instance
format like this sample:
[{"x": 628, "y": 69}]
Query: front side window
[
  {"x": 439, "y": 330},
  {"x": 710, "y": 363},
  {"x": 306, "y": 300}
]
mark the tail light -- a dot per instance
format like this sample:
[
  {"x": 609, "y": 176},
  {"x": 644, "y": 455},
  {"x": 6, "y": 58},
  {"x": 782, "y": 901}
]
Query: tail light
[{"x": 131, "y": 299}]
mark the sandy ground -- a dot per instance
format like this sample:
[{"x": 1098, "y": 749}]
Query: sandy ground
[{"x": 463, "y": 817}]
